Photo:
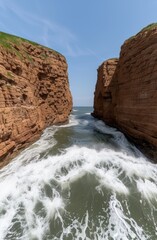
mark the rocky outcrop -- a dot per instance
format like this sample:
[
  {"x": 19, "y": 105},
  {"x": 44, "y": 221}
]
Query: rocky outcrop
[
  {"x": 129, "y": 100},
  {"x": 104, "y": 99},
  {"x": 34, "y": 92}
]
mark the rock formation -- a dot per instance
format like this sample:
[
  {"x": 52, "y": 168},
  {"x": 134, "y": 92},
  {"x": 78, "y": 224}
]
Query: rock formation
[
  {"x": 126, "y": 90},
  {"x": 103, "y": 101},
  {"x": 34, "y": 92}
]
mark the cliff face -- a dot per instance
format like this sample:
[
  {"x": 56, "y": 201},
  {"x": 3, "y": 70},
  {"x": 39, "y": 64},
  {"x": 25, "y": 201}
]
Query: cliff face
[
  {"x": 34, "y": 92},
  {"x": 133, "y": 91},
  {"x": 104, "y": 99}
]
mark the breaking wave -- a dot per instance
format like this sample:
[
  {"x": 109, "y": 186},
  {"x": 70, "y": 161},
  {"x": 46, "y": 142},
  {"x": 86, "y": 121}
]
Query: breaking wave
[{"x": 82, "y": 180}]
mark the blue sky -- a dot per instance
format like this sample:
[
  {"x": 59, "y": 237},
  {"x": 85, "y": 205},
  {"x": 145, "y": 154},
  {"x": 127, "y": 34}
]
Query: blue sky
[{"x": 86, "y": 32}]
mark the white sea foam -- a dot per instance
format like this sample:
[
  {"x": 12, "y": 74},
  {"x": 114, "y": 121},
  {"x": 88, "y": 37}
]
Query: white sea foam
[
  {"x": 26, "y": 185},
  {"x": 36, "y": 189},
  {"x": 72, "y": 122},
  {"x": 118, "y": 137},
  {"x": 120, "y": 226},
  {"x": 147, "y": 188}
]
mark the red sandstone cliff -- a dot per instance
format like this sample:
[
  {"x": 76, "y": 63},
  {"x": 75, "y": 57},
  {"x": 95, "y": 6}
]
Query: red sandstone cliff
[
  {"x": 104, "y": 99},
  {"x": 34, "y": 92},
  {"x": 126, "y": 97}
]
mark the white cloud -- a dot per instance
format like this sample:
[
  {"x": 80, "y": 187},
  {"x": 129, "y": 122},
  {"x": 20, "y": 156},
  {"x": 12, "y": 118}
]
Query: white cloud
[{"x": 51, "y": 33}]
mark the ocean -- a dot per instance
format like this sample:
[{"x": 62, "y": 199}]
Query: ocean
[{"x": 83, "y": 180}]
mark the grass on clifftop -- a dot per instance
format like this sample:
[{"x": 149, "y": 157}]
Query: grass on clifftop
[
  {"x": 145, "y": 29},
  {"x": 149, "y": 27},
  {"x": 8, "y": 40}
]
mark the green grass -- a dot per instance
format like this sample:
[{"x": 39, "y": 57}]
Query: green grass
[
  {"x": 149, "y": 27},
  {"x": 43, "y": 56},
  {"x": 8, "y": 41},
  {"x": 9, "y": 74},
  {"x": 145, "y": 29},
  {"x": 115, "y": 58}
]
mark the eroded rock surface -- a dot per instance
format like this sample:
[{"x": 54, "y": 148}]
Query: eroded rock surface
[
  {"x": 34, "y": 92},
  {"x": 130, "y": 103},
  {"x": 104, "y": 99}
]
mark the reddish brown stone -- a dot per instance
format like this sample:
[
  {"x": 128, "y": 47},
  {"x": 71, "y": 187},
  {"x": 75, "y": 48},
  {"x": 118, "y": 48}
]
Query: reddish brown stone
[
  {"x": 129, "y": 100},
  {"x": 103, "y": 100},
  {"x": 34, "y": 94}
]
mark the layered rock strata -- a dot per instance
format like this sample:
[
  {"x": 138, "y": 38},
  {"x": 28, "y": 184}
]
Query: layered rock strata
[
  {"x": 104, "y": 99},
  {"x": 34, "y": 92},
  {"x": 126, "y": 90}
]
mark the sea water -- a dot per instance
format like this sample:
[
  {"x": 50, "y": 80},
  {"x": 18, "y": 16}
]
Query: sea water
[{"x": 82, "y": 181}]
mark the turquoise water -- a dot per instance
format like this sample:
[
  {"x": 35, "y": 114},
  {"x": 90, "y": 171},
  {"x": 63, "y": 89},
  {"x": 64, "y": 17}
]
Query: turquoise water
[{"x": 82, "y": 180}]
